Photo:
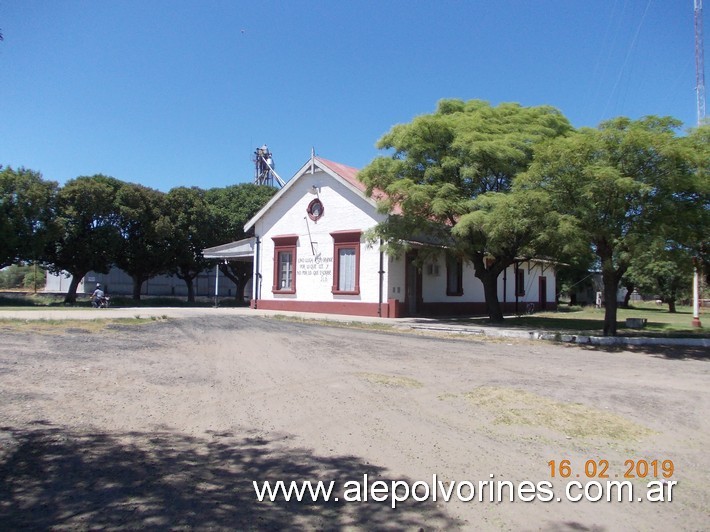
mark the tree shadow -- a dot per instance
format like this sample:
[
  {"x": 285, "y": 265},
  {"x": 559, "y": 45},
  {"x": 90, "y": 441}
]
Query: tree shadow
[
  {"x": 668, "y": 352},
  {"x": 55, "y": 477}
]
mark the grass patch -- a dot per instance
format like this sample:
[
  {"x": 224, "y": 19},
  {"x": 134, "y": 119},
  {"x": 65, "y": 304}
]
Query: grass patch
[
  {"x": 392, "y": 381},
  {"x": 22, "y": 300},
  {"x": 510, "y": 406},
  {"x": 337, "y": 323},
  {"x": 63, "y": 326},
  {"x": 590, "y": 321}
]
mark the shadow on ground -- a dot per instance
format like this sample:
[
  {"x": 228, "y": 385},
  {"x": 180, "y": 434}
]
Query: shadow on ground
[
  {"x": 54, "y": 477},
  {"x": 669, "y": 352}
]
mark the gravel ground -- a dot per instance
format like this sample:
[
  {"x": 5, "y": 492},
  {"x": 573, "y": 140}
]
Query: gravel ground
[{"x": 166, "y": 424}]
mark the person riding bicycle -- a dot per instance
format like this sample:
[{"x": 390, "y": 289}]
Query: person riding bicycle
[{"x": 97, "y": 296}]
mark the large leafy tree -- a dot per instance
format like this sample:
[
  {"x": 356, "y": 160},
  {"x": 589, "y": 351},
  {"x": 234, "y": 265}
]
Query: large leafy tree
[
  {"x": 26, "y": 212},
  {"x": 231, "y": 208},
  {"x": 697, "y": 219},
  {"x": 449, "y": 176},
  {"x": 144, "y": 239},
  {"x": 85, "y": 230},
  {"x": 664, "y": 270},
  {"x": 190, "y": 227},
  {"x": 624, "y": 182}
]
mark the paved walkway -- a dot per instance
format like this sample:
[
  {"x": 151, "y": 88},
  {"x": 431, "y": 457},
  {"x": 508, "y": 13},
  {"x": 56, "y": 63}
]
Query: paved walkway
[{"x": 433, "y": 324}]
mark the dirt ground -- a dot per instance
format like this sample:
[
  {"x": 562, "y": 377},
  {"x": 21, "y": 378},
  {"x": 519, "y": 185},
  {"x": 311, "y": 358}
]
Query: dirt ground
[{"x": 166, "y": 424}]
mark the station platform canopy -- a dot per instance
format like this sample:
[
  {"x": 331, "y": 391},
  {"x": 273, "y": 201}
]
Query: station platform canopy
[{"x": 239, "y": 250}]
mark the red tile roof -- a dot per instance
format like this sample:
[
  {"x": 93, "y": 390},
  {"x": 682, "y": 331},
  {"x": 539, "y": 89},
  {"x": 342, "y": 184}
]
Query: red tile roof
[
  {"x": 350, "y": 175},
  {"x": 346, "y": 172}
]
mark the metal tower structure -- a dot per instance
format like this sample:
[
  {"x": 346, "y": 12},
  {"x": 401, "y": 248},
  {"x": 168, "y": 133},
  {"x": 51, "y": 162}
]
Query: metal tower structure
[
  {"x": 700, "y": 89},
  {"x": 699, "y": 60},
  {"x": 264, "y": 173}
]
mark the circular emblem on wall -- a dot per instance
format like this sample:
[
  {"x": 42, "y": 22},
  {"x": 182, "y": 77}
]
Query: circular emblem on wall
[{"x": 315, "y": 209}]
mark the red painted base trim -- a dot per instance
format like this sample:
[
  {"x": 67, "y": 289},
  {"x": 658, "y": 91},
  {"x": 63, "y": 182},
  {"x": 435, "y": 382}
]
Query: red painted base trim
[
  {"x": 392, "y": 309},
  {"x": 352, "y": 308},
  {"x": 478, "y": 308}
]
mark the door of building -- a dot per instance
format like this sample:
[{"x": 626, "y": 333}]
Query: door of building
[
  {"x": 542, "y": 291},
  {"x": 413, "y": 295}
]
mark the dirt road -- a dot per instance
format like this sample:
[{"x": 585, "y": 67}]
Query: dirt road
[{"x": 166, "y": 425}]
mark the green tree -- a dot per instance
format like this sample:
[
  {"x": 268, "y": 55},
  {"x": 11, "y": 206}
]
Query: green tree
[
  {"x": 191, "y": 228},
  {"x": 85, "y": 230},
  {"x": 663, "y": 270},
  {"x": 697, "y": 219},
  {"x": 145, "y": 238},
  {"x": 35, "y": 278},
  {"x": 12, "y": 276},
  {"x": 623, "y": 182},
  {"x": 449, "y": 175},
  {"x": 26, "y": 210},
  {"x": 232, "y": 207}
]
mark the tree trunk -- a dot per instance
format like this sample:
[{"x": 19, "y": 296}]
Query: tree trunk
[
  {"x": 239, "y": 273},
  {"x": 490, "y": 291},
  {"x": 671, "y": 305},
  {"x": 240, "y": 292},
  {"x": 190, "y": 288},
  {"x": 630, "y": 287},
  {"x": 188, "y": 275},
  {"x": 488, "y": 275},
  {"x": 70, "y": 297},
  {"x": 137, "y": 285}
]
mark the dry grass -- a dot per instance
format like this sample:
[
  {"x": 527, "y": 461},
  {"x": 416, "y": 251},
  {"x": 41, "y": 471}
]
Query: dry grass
[
  {"x": 511, "y": 406},
  {"x": 394, "y": 381},
  {"x": 64, "y": 326}
]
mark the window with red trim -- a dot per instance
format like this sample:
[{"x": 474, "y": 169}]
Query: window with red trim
[
  {"x": 285, "y": 264},
  {"x": 346, "y": 262}
]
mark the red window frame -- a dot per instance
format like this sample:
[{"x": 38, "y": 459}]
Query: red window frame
[
  {"x": 345, "y": 240},
  {"x": 284, "y": 244}
]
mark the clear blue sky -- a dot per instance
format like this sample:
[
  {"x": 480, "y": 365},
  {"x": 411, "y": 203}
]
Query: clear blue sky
[{"x": 181, "y": 92}]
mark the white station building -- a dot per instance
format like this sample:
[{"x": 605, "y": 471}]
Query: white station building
[{"x": 310, "y": 254}]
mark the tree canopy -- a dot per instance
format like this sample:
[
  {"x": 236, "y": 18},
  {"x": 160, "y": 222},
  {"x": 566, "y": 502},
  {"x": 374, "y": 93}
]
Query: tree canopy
[
  {"x": 624, "y": 183},
  {"x": 450, "y": 174},
  {"x": 144, "y": 239},
  {"x": 26, "y": 212},
  {"x": 231, "y": 208},
  {"x": 85, "y": 231},
  {"x": 190, "y": 228}
]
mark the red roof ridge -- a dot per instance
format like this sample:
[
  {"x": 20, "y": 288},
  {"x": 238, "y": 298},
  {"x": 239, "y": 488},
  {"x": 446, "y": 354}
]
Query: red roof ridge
[{"x": 349, "y": 173}]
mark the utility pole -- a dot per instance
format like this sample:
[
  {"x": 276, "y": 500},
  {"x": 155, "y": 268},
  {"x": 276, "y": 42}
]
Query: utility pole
[
  {"x": 699, "y": 60},
  {"x": 700, "y": 93}
]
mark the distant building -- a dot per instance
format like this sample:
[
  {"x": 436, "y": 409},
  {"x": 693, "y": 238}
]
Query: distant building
[{"x": 118, "y": 282}]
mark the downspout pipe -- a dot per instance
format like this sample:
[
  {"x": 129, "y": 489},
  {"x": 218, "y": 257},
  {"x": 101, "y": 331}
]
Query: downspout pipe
[
  {"x": 216, "y": 284},
  {"x": 505, "y": 289},
  {"x": 256, "y": 285},
  {"x": 517, "y": 288},
  {"x": 382, "y": 280}
]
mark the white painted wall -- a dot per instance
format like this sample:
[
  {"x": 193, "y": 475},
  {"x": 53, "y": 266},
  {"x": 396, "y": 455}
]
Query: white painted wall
[
  {"x": 344, "y": 210},
  {"x": 348, "y": 210},
  {"x": 396, "y": 288},
  {"x": 434, "y": 283}
]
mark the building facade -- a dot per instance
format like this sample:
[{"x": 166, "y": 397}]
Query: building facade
[{"x": 311, "y": 254}]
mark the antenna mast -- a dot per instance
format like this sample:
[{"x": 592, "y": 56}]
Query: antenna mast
[
  {"x": 264, "y": 173},
  {"x": 699, "y": 60},
  {"x": 700, "y": 88}
]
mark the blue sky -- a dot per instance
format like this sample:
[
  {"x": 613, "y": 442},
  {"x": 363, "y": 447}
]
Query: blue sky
[{"x": 173, "y": 93}]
